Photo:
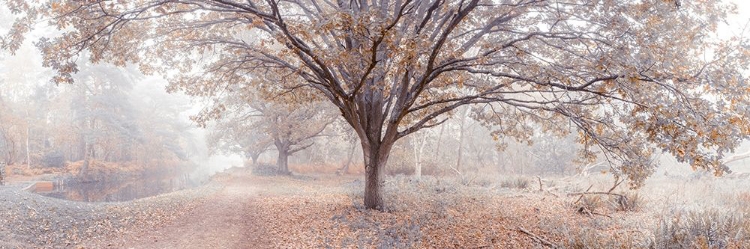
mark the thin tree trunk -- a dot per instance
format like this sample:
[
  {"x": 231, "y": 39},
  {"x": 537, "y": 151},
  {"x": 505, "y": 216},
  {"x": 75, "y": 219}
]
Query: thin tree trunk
[
  {"x": 326, "y": 154},
  {"x": 438, "y": 156},
  {"x": 28, "y": 134},
  {"x": 461, "y": 140},
  {"x": 86, "y": 158},
  {"x": 418, "y": 153},
  {"x": 417, "y": 163},
  {"x": 28, "y": 156},
  {"x": 345, "y": 168}
]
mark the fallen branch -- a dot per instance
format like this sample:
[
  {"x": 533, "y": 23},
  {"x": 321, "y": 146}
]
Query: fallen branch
[
  {"x": 553, "y": 194},
  {"x": 579, "y": 198},
  {"x": 537, "y": 237},
  {"x": 456, "y": 170},
  {"x": 605, "y": 215},
  {"x": 596, "y": 193},
  {"x": 585, "y": 210}
]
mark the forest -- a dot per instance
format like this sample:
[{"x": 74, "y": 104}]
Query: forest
[{"x": 376, "y": 124}]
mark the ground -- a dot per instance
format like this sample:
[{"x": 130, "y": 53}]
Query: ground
[
  {"x": 221, "y": 220},
  {"x": 241, "y": 210}
]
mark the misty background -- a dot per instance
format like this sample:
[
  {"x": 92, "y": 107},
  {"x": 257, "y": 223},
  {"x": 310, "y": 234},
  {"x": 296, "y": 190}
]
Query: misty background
[{"x": 119, "y": 115}]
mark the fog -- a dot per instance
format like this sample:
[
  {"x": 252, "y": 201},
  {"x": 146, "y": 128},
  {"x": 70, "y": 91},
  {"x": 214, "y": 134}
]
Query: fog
[{"x": 289, "y": 169}]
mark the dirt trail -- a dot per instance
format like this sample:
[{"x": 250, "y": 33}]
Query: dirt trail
[{"x": 221, "y": 221}]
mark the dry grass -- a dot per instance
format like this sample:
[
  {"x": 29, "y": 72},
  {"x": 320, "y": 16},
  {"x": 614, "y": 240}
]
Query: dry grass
[
  {"x": 420, "y": 213},
  {"x": 314, "y": 168},
  {"x": 703, "y": 229},
  {"x": 488, "y": 211},
  {"x": 628, "y": 202},
  {"x": 673, "y": 213},
  {"x": 517, "y": 182},
  {"x": 485, "y": 210},
  {"x": 329, "y": 212}
]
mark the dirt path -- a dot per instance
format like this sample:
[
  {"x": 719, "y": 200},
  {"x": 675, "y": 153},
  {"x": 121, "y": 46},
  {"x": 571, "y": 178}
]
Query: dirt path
[{"x": 221, "y": 221}]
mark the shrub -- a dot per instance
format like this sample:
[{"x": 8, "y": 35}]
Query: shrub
[
  {"x": 53, "y": 159},
  {"x": 481, "y": 179},
  {"x": 484, "y": 181},
  {"x": 399, "y": 168},
  {"x": 594, "y": 238},
  {"x": 708, "y": 229},
  {"x": 588, "y": 204},
  {"x": 265, "y": 170},
  {"x": 519, "y": 183},
  {"x": 628, "y": 202}
]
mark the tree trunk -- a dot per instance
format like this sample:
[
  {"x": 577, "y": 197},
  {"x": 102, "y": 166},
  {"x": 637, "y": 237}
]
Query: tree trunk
[
  {"x": 373, "y": 186},
  {"x": 254, "y": 157},
  {"x": 282, "y": 162},
  {"x": 376, "y": 157}
]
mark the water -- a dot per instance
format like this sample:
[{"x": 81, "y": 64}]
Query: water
[{"x": 115, "y": 191}]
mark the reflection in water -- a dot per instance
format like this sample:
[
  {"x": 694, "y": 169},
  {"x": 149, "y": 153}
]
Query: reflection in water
[{"x": 119, "y": 191}]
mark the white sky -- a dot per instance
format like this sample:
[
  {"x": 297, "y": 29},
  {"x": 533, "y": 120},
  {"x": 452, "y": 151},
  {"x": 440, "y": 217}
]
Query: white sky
[{"x": 737, "y": 22}]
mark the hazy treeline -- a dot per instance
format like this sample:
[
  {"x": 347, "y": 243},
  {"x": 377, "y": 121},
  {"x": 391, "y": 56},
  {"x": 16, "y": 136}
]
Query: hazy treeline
[
  {"x": 110, "y": 115},
  {"x": 460, "y": 145}
]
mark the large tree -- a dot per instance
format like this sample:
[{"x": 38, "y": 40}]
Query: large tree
[{"x": 631, "y": 76}]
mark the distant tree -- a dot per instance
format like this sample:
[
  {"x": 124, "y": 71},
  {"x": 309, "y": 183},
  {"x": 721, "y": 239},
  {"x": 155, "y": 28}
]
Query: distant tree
[
  {"x": 104, "y": 115},
  {"x": 351, "y": 138},
  {"x": 293, "y": 128},
  {"x": 258, "y": 122},
  {"x": 45, "y": 125},
  {"x": 631, "y": 76},
  {"x": 231, "y": 135},
  {"x": 554, "y": 154},
  {"x": 10, "y": 134}
]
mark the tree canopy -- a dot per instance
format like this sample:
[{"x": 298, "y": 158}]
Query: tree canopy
[{"x": 630, "y": 77}]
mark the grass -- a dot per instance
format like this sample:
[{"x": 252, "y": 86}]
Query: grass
[
  {"x": 487, "y": 209},
  {"x": 517, "y": 182},
  {"x": 264, "y": 169},
  {"x": 628, "y": 202},
  {"x": 703, "y": 229}
]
